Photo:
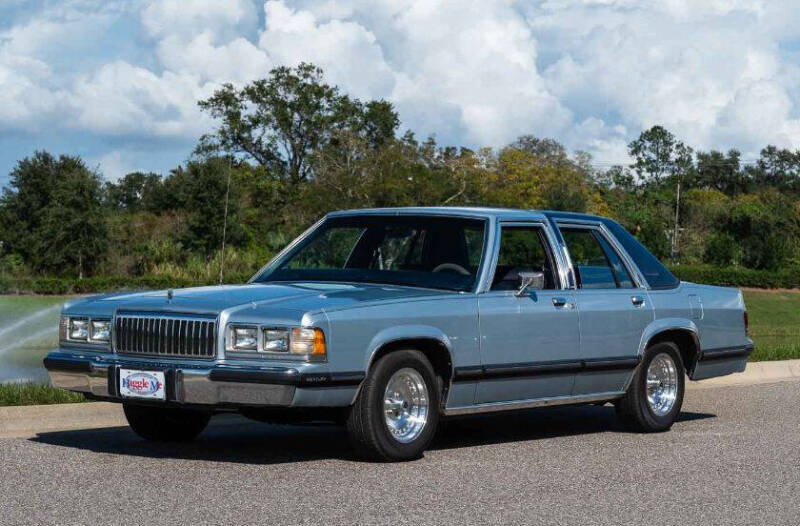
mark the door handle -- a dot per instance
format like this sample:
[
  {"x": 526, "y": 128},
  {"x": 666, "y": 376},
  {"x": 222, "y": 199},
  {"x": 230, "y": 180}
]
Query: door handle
[
  {"x": 559, "y": 301},
  {"x": 638, "y": 301}
]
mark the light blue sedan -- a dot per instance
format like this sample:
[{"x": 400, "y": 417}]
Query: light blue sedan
[{"x": 388, "y": 320}]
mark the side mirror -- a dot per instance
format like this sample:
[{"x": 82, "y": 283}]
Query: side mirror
[{"x": 530, "y": 280}]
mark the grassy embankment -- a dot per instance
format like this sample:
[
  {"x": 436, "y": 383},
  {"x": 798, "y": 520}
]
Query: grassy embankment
[
  {"x": 774, "y": 323},
  {"x": 35, "y": 394}
]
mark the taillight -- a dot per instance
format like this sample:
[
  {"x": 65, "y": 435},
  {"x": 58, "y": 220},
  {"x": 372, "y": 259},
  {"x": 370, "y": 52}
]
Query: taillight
[{"x": 746, "y": 324}]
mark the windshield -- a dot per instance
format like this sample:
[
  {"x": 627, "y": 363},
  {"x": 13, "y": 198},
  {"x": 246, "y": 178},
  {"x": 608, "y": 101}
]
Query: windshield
[{"x": 419, "y": 251}]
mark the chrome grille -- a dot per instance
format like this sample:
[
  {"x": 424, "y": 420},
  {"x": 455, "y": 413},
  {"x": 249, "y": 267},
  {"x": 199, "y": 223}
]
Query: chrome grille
[{"x": 165, "y": 335}]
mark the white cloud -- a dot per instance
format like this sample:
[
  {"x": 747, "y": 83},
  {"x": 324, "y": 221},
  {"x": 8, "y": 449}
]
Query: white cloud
[
  {"x": 124, "y": 99},
  {"x": 591, "y": 73},
  {"x": 227, "y": 19},
  {"x": 347, "y": 51},
  {"x": 237, "y": 61}
]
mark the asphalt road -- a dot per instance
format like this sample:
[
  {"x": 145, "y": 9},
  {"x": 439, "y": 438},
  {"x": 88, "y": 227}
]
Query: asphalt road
[{"x": 734, "y": 458}]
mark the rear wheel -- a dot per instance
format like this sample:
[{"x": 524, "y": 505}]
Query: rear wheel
[
  {"x": 166, "y": 424},
  {"x": 655, "y": 396},
  {"x": 397, "y": 410}
]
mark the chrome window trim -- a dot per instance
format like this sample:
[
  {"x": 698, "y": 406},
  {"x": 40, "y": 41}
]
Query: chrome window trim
[
  {"x": 489, "y": 225},
  {"x": 562, "y": 269},
  {"x": 600, "y": 228}
]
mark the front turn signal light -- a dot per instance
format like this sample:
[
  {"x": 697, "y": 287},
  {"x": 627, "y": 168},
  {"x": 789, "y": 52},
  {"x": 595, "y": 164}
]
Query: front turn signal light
[{"x": 307, "y": 341}]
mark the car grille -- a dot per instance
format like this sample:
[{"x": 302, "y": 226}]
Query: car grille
[{"x": 165, "y": 336}]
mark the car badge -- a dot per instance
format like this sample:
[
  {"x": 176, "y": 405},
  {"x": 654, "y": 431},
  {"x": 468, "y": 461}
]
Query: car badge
[{"x": 170, "y": 293}]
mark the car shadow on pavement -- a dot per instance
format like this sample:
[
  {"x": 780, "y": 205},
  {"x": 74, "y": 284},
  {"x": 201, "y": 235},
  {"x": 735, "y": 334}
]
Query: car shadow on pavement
[
  {"x": 535, "y": 424},
  {"x": 236, "y": 439}
]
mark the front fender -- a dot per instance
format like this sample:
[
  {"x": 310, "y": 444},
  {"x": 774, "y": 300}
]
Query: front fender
[{"x": 405, "y": 332}]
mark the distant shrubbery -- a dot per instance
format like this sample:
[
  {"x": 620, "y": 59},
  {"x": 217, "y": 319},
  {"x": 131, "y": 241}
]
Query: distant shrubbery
[
  {"x": 788, "y": 278},
  {"x": 725, "y": 276},
  {"x": 291, "y": 148}
]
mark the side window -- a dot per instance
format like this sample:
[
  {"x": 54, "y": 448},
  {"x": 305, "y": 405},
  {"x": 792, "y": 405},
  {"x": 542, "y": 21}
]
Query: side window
[
  {"x": 624, "y": 280},
  {"x": 522, "y": 249},
  {"x": 596, "y": 264}
]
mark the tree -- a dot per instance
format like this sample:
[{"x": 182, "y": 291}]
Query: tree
[
  {"x": 778, "y": 168},
  {"x": 205, "y": 185},
  {"x": 281, "y": 121},
  {"x": 718, "y": 171},
  {"x": 73, "y": 234},
  {"x": 658, "y": 155},
  {"x": 53, "y": 215},
  {"x": 135, "y": 191},
  {"x": 547, "y": 151}
]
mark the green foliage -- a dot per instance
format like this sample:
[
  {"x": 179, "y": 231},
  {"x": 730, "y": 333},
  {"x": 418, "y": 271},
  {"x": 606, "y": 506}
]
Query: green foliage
[
  {"x": 97, "y": 284},
  {"x": 774, "y": 324},
  {"x": 294, "y": 148},
  {"x": 788, "y": 278},
  {"x": 52, "y": 215},
  {"x": 36, "y": 394},
  {"x": 658, "y": 155},
  {"x": 281, "y": 121},
  {"x": 722, "y": 250}
]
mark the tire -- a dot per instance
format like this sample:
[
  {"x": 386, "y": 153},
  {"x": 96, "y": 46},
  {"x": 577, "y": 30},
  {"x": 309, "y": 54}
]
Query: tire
[
  {"x": 382, "y": 435},
  {"x": 166, "y": 424},
  {"x": 640, "y": 413}
]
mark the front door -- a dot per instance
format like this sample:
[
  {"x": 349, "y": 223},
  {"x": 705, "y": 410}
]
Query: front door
[
  {"x": 529, "y": 343},
  {"x": 613, "y": 311}
]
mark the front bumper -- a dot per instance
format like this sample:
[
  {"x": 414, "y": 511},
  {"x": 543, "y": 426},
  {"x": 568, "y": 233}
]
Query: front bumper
[{"x": 207, "y": 383}]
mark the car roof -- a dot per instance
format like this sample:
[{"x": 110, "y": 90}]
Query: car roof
[{"x": 464, "y": 211}]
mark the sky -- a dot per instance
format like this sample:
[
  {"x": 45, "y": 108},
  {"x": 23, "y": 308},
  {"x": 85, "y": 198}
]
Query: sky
[{"x": 117, "y": 82}]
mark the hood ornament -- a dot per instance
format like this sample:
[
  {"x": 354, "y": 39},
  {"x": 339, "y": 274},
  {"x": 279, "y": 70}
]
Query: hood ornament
[{"x": 170, "y": 294}]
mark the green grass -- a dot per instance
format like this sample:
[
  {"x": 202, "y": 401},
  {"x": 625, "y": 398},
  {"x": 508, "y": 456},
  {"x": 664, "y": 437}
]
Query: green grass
[
  {"x": 36, "y": 394},
  {"x": 774, "y": 323}
]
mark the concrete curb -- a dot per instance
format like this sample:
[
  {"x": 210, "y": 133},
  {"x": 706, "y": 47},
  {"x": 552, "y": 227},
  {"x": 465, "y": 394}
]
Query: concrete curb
[
  {"x": 28, "y": 421},
  {"x": 756, "y": 373}
]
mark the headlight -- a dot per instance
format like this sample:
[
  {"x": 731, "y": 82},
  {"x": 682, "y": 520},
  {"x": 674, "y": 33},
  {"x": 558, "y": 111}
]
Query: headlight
[
  {"x": 276, "y": 340},
  {"x": 296, "y": 340},
  {"x": 101, "y": 331},
  {"x": 82, "y": 329},
  {"x": 78, "y": 329},
  {"x": 243, "y": 339}
]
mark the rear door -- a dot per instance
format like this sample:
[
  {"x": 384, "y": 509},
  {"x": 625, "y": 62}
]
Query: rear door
[
  {"x": 613, "y": 309},
  {"x": 529, "y": 343}
]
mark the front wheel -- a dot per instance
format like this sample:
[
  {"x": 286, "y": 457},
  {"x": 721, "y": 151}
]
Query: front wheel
[
  {"x": 655, "y": 396},
  {"x": 397, "y": 410},
  {"x": 166, "y": 424}
]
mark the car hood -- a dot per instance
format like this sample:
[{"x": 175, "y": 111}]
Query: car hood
[{"x": 212, "y": 300}]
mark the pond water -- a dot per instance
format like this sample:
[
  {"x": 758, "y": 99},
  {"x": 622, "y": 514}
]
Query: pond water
[{"x": 28, "y": 331}]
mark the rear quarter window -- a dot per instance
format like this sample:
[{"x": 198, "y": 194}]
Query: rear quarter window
[{"x": 656, "y": 274}]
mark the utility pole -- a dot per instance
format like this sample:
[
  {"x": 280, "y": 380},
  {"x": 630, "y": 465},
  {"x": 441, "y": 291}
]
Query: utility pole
[{"x": 674, "y": 248}]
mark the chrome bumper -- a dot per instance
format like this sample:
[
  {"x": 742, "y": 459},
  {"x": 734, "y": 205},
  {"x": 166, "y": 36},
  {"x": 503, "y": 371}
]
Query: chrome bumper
[{"x": 210, "y": 384}]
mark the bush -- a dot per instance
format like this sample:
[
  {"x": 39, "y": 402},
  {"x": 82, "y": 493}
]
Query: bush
[
  {"x": 105, "y": 284},
  {"x": 721, "y": 250},
  {"x": 739, "y": 277}
]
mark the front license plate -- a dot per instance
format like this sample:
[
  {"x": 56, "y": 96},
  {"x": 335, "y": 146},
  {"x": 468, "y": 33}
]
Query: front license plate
[{"x": 142, "y": 384}]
